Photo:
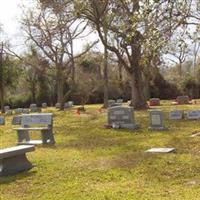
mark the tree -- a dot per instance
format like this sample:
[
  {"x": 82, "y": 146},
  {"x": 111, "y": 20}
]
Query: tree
[
  {"x": 52, "y": 28},
  {"x": 138, "y": 25}
]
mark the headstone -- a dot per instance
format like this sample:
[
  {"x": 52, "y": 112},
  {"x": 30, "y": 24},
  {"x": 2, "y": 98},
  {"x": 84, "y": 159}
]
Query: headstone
[
  {"x": 2, "y": 120},
  {"x": 121, "y": 117},
  {"x": 25, "y": 111},
  {"x": 34, "y": 108},
  {"x": 44, "y": 105},
  {"x": 154, "y": 102},
  {"x": 176, "y": 115},
  {"x": 119, "y": 101},
  {"x": 193, "y": 114},
  {"x": 183, "y": 100},
  {"x": 6, "y": 108},
  {"x": 18, "y": 110},
  {"x": 70, "y": 103},
  {"x": 16, "y": 120},
  {"x": 110, "y": 102},
  {"x": 57, "y": 105},
  {"x": 8, "y": 112},
  {"x": 157, "y": 120},
  {"x": 161, "y": 150}
]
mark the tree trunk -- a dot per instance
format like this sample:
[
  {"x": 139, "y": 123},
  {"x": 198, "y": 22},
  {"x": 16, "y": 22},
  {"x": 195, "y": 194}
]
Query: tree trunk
[
  {"x": 60, "y": 85},
  {"x": 105, "y": 77},
  {"x": 146, "y": 89},
  {"x": 1, "y": 81},
  {"x": 137, "y": 97}
]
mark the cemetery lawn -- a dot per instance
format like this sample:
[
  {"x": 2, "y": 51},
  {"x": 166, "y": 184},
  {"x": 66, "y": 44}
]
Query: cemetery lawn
[{"x": 90, "y": 162}]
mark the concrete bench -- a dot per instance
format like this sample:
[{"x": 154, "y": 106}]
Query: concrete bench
[
  {"x": 29, "y": 123},
  {"x": 14, "y": 160}
]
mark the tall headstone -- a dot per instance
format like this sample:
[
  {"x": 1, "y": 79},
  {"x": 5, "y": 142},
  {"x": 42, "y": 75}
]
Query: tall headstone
[
  {"x": 176, "y": 115},
  {"x": 122, "y": 117},
  {"x": 193, "y": 114},
  {"x": 6, "y": 108},
  {"x": 157, "y": 120}
]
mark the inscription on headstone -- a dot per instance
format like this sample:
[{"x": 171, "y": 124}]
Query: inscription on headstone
[{"x": 121, "y": 117}]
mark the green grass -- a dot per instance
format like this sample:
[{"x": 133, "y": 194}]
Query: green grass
[{"x": 90, "y": 162}]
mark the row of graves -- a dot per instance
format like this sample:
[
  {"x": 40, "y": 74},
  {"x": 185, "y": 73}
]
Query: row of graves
[
  {"x": 123, "y": 117},
  {"x": 180, "y": 100}
]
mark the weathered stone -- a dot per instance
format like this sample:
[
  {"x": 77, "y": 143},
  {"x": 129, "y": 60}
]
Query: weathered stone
[
  {"x": 2, "y": 120},
  {"x": 121, "y": 117}
]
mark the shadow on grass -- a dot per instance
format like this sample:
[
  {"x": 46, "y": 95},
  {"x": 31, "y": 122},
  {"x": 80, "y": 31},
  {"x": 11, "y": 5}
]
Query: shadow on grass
[{"x": 13, "y": 178}]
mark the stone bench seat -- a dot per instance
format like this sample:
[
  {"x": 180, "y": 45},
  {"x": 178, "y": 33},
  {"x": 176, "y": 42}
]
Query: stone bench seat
[
  {"x": 36, "y": 122},
  {"x": 14, "y": 160}
]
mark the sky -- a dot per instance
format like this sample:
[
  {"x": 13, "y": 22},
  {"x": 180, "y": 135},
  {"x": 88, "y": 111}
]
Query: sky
[{"x": 10, "y": 12}]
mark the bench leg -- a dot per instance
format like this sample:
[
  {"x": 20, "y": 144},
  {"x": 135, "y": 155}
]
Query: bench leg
[
  {"x": 23, "y": 135},
  {"x": 14, "y": 165},
  {"x": 48, "y": 135}
]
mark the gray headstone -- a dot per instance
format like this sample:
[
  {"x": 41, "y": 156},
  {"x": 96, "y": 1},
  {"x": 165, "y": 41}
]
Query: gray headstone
[
  {"x": 34, "y": 108},
  {"x": 8, "y": 112},
  {"x": 176, "y": 115},
  {"x": 18, "y": 110},
  {"x": 119, "y": 101},
  {"x": 44, "y": 105},
  {"x": 121, "y": 117},
  {"x": 25, "y": 111},
  {"x": 33, "y": 105},
  {"x": 6, "y": 108},
  {"x": 2, "y": 120},
  {"x": 57, "y": 105},
  {"x": 193, "y": 114},
  {"x": 110, "y": 102},
  {"x": 157, "y": 120},
  {"x": 183, "y": 100},
  {"x": 16, "y": 120}
]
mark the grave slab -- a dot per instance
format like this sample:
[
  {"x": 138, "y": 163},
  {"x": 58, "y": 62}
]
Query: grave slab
[{"x": 161, "y": 150}]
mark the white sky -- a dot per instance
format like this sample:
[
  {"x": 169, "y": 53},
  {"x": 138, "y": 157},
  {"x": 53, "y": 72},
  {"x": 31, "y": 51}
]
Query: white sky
[{"x": 10, "y": 13}]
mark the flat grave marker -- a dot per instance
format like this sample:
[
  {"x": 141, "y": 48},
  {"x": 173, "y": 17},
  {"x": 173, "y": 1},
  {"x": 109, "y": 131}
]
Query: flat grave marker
[{"x": 160, "y": 150}]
